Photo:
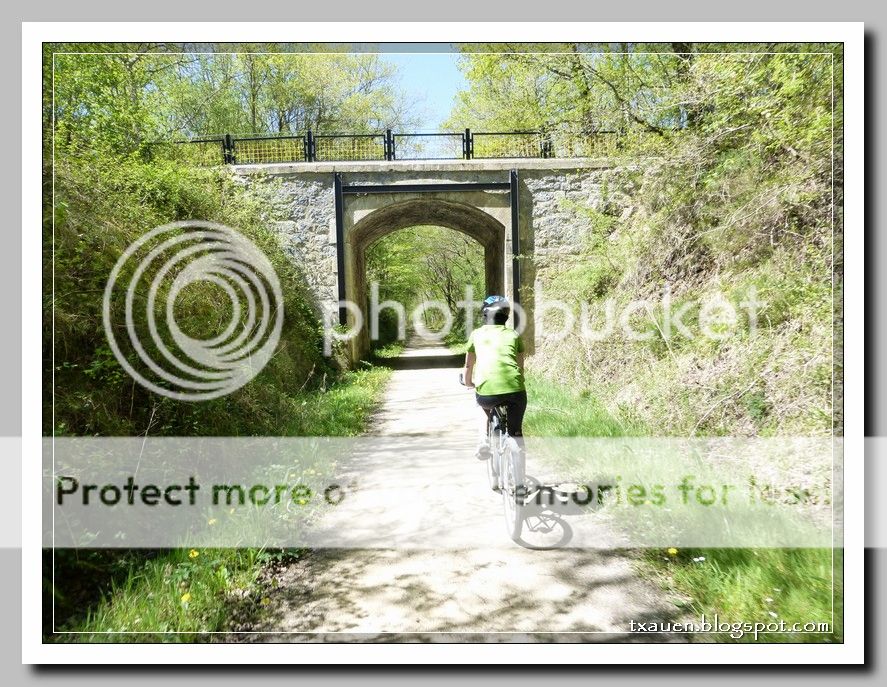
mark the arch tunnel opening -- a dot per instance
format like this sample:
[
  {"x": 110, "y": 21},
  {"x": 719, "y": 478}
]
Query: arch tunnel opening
[
  {"x": 423, "y": 282},
  {"x": 474, "y": 234}
]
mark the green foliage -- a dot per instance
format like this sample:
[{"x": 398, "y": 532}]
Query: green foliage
[
  {"x": 177, "y": 594},
  {"x": 110, "y": 184},
  {"x": 554, "y": 410},
  {"x": 123, "y": 102},
  {"x": 103, "y": 592},
  {"x": 422, "y": 264},
  {"x": 723, "y": 184},
  {"x": 389, "y": 351},
  {"x": 740, "y": 584},
  {"x": 343, "y": 409},
  {"x": 100, "y": 209},
  {"x": 758, "y": 585},
  {"x": 756, "y": 405}
]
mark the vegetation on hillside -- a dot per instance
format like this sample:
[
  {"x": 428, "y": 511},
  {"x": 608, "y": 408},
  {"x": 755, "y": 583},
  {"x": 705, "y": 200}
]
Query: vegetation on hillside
[
  {"x": 105, "y": 185},
  {"x": 739, "y": 584},
  {"x": 723, "y": 187},
  {"x": 727, "y": 181}
]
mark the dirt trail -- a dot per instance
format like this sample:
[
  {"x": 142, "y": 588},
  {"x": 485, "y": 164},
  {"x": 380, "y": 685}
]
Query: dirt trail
[{"x": 427, "y": 594}]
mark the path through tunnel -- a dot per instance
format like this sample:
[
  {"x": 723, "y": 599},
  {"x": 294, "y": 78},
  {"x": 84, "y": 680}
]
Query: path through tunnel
[{"x": 421, "y": 250}]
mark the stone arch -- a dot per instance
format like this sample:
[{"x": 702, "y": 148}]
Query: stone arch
[{"x": 467, "y": 219}]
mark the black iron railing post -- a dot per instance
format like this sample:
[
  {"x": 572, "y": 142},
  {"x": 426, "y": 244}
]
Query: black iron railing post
[
  {"x": 515, "y": 242},
  {"x": 310, "y": 148},
  {"x": 389, "y": 145},
  {"x": 468, "y": 145},
  {"x": 228, "y": 150}
]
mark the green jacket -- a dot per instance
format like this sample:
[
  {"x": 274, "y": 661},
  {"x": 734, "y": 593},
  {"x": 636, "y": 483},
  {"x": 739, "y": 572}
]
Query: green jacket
[{"x": 496, "y": 370}]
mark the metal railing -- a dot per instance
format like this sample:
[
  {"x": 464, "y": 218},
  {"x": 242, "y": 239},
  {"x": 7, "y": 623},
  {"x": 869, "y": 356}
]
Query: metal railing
[
  {"x": 465, "y": 145},
  {"x": 442, "y": 146},
  {"x": 517, "y": 144}
]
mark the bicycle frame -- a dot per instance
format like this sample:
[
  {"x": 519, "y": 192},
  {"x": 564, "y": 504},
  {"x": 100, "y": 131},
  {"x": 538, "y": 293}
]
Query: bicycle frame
[{"x": 505, "y": 470}]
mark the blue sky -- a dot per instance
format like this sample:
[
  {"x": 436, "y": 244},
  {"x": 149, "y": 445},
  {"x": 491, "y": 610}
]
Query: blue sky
[{"x": 432, "y": 80}]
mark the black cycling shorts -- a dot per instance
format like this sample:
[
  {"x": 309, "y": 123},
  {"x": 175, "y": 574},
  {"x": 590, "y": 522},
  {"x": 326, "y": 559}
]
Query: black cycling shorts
[{"x": 516, "y": 405}]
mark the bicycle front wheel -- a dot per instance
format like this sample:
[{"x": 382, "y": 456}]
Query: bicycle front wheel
[
  {"x": 513, "y": 488},
  {"x": 494, "y": 461}
]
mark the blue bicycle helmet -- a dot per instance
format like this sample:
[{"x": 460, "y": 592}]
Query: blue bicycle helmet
[{"x": 497, "y": 303}]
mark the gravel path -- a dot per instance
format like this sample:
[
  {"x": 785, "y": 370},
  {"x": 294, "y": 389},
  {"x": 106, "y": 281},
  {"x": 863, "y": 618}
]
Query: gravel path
[{"x": 507, "y": 592}]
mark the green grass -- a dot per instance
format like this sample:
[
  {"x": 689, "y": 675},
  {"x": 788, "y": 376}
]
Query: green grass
[
  {"x": 556, "y": 411},
  {"x": 344, "y": 408},
  {"x": 100, "y": 207},
  {"x": 388, "y": 351},
  {"x": 179, "y": 593},
  {"x": 757, "y": 585},
  {"x": 734, "y": 583}
]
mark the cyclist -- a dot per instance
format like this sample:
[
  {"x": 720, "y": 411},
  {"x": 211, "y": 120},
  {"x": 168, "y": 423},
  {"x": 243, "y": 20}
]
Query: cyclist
[{"x": 494, "y": 367}]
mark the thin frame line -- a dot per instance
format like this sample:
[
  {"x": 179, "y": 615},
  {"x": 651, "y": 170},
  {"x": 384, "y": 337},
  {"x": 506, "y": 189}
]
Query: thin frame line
[
  {"x": 53, "y": 339},
  {"x": 454, "y": 53}
]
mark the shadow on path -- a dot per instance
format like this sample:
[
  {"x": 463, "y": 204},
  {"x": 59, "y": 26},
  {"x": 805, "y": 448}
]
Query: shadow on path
[
  {"x": 421, "y": 354},
  {"x": 384, "y": 595}
]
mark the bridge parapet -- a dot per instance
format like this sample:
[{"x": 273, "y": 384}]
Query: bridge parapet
[{"x": 407, "y": 167}]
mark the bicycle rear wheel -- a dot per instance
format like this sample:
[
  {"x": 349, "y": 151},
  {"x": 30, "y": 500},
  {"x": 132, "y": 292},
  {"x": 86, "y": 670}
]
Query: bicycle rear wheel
[{"x": 494, "y": 462}]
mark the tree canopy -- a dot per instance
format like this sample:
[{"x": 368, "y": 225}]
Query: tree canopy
[{"x": 124, "y": 97}]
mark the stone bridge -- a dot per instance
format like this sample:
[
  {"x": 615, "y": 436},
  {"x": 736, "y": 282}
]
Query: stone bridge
[{"x": 521, "y": 211}]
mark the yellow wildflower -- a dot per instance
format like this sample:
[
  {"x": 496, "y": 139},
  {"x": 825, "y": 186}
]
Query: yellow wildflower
[
  {"x": 672, "y": 551},
  {"x": 186, "y": 597},
  {"x": 193, "y": 553}
]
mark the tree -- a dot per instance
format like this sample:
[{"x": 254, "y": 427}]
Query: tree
[{"x": 142, "y": 93}]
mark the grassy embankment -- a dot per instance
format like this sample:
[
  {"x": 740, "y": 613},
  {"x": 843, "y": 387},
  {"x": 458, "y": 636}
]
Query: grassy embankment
[
  {"x": 738, "y": 584},
  {"x": 101, "y": 206},
  {"x": 742, "y": 207}
]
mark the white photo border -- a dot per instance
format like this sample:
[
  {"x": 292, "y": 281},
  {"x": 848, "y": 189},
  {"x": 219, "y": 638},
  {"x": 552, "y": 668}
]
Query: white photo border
[{"x": 851, "y": 34}]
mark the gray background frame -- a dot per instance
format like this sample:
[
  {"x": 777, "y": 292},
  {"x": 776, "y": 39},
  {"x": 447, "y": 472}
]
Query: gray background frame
[{"x": 492, "y": 10}]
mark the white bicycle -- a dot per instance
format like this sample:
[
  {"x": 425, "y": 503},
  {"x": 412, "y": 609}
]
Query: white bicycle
[{"x": 506, "y": 469}]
